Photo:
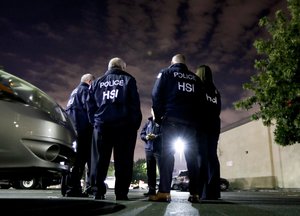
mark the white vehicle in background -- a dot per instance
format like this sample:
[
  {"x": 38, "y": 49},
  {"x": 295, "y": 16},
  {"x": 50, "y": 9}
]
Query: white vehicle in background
[
  {"x": 110, "y": 182},
  {"x": 143, "y": 185},
  {"x": 181, "y": 182}
]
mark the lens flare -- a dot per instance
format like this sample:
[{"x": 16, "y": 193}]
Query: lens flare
[{"x": 179, "y": 145}]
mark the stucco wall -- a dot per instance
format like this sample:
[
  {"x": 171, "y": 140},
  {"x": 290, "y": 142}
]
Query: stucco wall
[
  {"x": 287, "y": 165},
  {"x": 250, "y": 159}
]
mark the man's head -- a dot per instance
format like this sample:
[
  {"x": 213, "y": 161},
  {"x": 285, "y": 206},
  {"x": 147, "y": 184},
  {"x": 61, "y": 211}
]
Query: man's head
[
  {"x": 178, "y": 58},
  {"x": 117, "y": 63},
  {"x": 87, "y": 78}
]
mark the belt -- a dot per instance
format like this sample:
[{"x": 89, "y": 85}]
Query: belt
[{"x": 178, "y": 120}]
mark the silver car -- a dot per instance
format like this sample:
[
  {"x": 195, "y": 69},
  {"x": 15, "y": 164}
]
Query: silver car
[{"x": 37, "y": 139}]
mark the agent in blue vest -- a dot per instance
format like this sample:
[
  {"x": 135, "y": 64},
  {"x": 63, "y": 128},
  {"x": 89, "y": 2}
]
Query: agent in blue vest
[{"x": 150, "y": 134}]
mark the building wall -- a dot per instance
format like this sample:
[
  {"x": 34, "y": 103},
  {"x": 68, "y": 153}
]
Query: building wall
[
  {"x": 250, "y": 159},
  {"x": 287, "y": 163}
]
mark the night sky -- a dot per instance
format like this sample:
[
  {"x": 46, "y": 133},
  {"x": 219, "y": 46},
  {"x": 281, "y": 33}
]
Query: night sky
[{"x": 52, "y": 43}]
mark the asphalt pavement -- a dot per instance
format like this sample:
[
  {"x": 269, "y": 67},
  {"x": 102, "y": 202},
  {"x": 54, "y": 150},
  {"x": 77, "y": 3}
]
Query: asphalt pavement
[{"x": 232, "y": 203}]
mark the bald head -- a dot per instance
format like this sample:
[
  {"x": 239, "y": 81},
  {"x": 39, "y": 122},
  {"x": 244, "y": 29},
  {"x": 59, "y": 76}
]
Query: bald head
[
  {"x": 178, "y": 58},
  {"x": 117, "y": 63},
  {"x": 87, "y": 78}
]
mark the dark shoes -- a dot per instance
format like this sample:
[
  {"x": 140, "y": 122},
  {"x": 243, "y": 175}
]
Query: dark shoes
[
  {"x": 194, "y": 198},
  {"x": 160, "y": 197}
]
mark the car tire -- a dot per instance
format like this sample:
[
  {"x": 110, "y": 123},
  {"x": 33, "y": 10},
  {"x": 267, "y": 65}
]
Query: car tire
[
  {"x": 184, "y": 187},
  {"x": 64, "y": 184},
  {"x": 29, "y": 184},
  {"x": 176, "y": 187},
  {"x": 224, "y": 186}
]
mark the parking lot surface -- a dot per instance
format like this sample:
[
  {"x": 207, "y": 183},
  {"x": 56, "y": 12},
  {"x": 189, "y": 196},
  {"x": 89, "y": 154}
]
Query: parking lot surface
[{"x": 241, "y": 203}]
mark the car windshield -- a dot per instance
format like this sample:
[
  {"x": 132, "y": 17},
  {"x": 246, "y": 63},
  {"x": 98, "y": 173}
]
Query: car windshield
[{"x": 13, "y": 88}]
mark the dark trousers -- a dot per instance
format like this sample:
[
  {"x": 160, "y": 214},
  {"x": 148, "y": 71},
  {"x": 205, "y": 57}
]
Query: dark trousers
[
  {"x": 172, "y": 130},
  {"x": 212, "y": 188},
  {"x": 152, "y": 161},
  {"x": 121, "y": 141},
  {"x": 203, "y": 160},
  {"x": 83, "y": 157}
]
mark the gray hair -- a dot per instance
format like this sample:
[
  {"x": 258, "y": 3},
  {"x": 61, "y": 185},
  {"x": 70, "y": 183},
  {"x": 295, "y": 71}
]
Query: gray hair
[
  {"x": 178, "y": 58},
  {"x": 87, "y": 77},
  {"x": 117, "y": 63}
]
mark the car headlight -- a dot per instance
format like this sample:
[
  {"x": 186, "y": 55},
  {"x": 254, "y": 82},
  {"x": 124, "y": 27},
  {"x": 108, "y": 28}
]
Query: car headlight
[{"x": 179, "y": 144}]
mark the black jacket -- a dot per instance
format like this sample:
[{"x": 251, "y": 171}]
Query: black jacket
[
  {"x": 213, "y": 101},
  {"x": 114, "y": 100},
  {"x": 178, "y": 93},
  {"x": 77, "y": 109}
]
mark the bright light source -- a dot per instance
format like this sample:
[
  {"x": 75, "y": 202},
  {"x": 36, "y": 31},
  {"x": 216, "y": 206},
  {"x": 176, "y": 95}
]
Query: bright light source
[
  {"x": 179, "y": 145},
  {"x": 74, "y": 145}
]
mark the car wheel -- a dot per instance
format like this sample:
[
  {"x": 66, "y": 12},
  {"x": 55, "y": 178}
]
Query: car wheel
[
  {"x": 184, "y": 188},
  {"x": 223, "y": 186},
  {"x": 29, "y": 184},
  {"x": 64, "y": 184},
  {"x": 176, "y": 187}
]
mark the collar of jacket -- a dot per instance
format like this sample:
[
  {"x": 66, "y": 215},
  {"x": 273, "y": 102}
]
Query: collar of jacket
[
  {"x": 178, "y": 65},
  {"x": 84, "y": 84},
  {"x": 114, "y": 71},
  {"x": 117, "y": 71}
]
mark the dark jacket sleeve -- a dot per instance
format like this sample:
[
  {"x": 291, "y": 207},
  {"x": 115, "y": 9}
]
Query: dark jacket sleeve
[
  {"x": 134, "y": 104},
  {"x": 91, "y": 105},
  {"x": 84, "y": 96},
  {"x": 144, "y": 132},
  {"x": 157, "y": 98}
]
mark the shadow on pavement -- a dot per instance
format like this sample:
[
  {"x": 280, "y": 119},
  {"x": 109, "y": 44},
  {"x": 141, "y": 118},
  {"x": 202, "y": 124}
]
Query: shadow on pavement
[{"x": 46, "y": 207}]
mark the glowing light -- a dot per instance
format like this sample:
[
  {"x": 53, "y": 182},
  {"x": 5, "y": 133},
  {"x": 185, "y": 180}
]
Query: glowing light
[
  {"x": 179, "y": 145},
  {"x": 74, "y": 145},
  {"x": 16, "y": 124}
]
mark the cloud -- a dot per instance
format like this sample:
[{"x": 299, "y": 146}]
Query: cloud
[{"x": 52, "y": 43}]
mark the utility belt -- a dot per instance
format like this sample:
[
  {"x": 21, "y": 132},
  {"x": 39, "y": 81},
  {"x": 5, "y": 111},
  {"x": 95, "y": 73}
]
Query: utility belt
[{"x": 178, "y": 120}]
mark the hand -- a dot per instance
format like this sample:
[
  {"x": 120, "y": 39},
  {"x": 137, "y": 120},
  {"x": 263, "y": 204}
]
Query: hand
[{"x": 150, "y": 136}]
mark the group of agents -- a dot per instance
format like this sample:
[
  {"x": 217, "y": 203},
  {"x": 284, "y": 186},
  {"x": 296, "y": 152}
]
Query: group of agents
[
  {"x": 185, "y": 105},
  {"x": 107, "y": 115},
  {"x": 107, "y": 111}
]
